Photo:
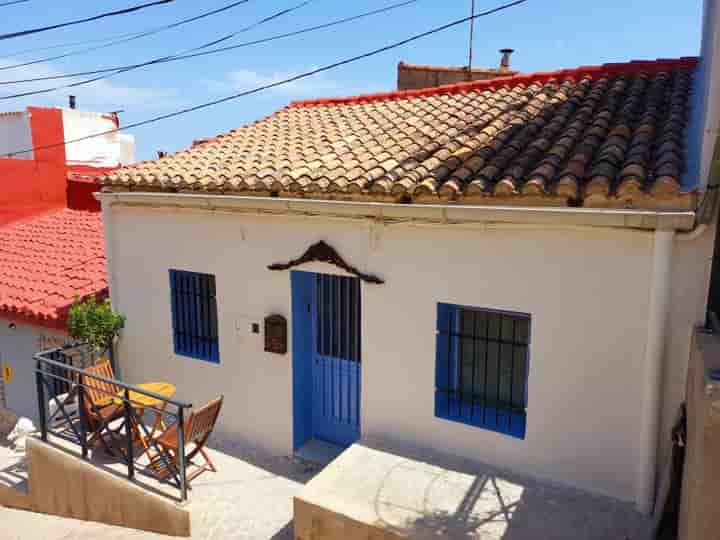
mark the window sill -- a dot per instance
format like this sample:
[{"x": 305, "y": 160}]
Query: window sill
[
  {"x": 202, "y": 358},
  {"x": 490, "y": 418}
]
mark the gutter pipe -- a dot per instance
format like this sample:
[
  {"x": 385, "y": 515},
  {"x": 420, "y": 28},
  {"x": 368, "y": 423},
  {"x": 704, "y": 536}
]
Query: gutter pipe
[
  {"x": 648, "y": 220},
  {"x": 657, "y": 322}
]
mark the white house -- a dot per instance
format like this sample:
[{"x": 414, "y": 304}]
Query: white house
[{"x": 505, "y": 270}]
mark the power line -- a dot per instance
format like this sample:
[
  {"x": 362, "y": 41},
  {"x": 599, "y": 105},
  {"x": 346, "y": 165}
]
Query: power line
[
  {"x": 72, "y": 43},
  {"x": 212, "y": 51},
  {"x": 123, "y": 11},
  {"x": 130, "y": 37},
  {"x": 164, "y": 58},
  {"x": 268, "y": 86},
  {"x": 13, "y": 3}
]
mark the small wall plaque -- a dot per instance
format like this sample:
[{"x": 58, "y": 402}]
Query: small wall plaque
[{"x": 276, "y": 334}]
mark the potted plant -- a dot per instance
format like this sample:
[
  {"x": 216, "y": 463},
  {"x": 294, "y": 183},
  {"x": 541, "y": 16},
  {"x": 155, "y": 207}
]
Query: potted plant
[{"x": 95, "y": 324}]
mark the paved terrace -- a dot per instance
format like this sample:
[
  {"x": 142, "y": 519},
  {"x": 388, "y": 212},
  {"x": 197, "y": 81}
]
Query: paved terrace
[{"x": 252, "y": 497}]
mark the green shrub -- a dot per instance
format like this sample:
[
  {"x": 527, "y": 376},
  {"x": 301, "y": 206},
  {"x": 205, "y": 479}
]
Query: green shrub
[{"x": 94, "y": 323}]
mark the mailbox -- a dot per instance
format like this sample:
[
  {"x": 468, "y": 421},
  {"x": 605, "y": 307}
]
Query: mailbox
[{"x": 276, "y": 334}]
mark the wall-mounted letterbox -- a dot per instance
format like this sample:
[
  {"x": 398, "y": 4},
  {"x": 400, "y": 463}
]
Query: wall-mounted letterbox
[{"x": 276, "y": 334}]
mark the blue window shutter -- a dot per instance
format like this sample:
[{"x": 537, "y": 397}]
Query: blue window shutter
[
  {"x": 481, "y": 367},
  {"x": 194, "y": 315},
  {"x": 443, "y": 361},
  {"x": 174, "y": 308}
]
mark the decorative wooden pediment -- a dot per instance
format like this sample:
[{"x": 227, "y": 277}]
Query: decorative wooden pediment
[{"x": 323, "y": 252}]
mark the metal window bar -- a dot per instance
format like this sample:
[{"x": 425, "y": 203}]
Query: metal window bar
[
  {"x": 491, "y": 340},
  {"x": 194, "y": 307},
  {"x": 337, "y": 341},
  {"x": 48, "y": 367}
]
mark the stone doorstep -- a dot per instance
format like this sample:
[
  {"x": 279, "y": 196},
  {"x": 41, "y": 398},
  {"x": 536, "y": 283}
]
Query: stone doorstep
[{"x": 371, "y": 493}]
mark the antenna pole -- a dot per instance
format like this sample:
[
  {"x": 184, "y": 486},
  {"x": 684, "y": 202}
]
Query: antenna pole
[{"x": 470, "y": 45}]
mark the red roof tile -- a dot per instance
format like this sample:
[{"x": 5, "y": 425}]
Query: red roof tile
[{"x": 48, "y": 260}]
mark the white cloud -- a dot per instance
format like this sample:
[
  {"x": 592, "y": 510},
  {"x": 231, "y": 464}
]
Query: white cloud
[
  {"x": 243, "y": 78},
  {"x": 102, "y": 95},
  {"x": 314, "y": 86}
]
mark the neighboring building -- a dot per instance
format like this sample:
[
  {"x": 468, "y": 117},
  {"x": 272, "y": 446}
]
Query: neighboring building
[
  {"x": 415, "y": 77},
  {"x": 503, "y": 270},
  {"x": 51, "y": 239}
]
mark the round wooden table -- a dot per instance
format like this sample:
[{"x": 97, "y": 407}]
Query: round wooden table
[{"x": 142, "y": 401}]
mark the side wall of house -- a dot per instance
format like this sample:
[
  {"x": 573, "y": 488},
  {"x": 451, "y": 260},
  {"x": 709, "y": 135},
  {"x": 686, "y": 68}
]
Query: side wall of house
[
  {"x": 587, "y": 291},
  {"x": 18, "y": 344},
  {"x": 690, "y": 283}
]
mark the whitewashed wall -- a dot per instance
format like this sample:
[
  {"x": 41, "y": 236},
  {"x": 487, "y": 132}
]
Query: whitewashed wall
[
  {"x": 587, "y": 291},
  {"x": 110, "y": 150},
  {"x": 17, "y": 347},
  {"x": 15, "y": 134}
]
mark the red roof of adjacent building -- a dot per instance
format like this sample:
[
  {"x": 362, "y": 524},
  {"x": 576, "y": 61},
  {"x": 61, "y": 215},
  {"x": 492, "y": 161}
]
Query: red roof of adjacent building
[{"x": 48, "y": 260}]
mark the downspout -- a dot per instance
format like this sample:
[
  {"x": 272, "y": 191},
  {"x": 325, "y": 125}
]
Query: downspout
[
  {"x": 654, "y": 348},
  {"x": 106, "y": 210}
]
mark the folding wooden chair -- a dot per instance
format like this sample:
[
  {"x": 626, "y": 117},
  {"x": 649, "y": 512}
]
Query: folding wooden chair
[
  {"x": 98, "y": 403},
  {"x": 198, "y": 428}
]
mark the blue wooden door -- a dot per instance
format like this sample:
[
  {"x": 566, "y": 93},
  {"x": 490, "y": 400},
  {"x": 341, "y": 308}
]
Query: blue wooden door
[{"x": 336, "y": 359}]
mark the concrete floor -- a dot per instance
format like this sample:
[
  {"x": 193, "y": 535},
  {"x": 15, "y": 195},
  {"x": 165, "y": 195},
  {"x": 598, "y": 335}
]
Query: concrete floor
[
  {"x": 13, "y": 472},
  {"x": 251, "y": 497}
]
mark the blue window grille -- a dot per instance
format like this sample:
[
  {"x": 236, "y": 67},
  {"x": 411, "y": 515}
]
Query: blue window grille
[
  {"x": 194, "y": 315},
  {"x": 482, "y": 368}
]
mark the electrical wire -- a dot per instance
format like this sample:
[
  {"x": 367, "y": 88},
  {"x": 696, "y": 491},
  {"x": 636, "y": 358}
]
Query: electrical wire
[
  {"x": 268, "y": 86},
  {"x": 72, "y": 44},
  {"x": 129, "y": 37},
  {"x": 123, "y": 11},
  {"x": 13, "y": 3},
  {"x": 215, "y": 51},
  {"x": 164, "y": 58}
]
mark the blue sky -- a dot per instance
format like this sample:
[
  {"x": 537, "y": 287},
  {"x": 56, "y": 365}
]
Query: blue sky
[{"x": 546, "y": 34}]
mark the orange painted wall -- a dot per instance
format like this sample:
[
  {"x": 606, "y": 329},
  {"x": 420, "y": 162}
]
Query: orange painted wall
[{"x": 30, "y": 186}]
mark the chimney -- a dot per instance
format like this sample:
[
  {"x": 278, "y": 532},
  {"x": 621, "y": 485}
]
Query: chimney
[
  {"x": 72, "y": 102},
  {"x": 161, "y": 154},
  {"x": 505, "y": 61}
]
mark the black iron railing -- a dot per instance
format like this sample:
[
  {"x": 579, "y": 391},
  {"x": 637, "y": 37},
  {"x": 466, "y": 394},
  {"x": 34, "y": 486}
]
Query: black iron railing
[{"x": 66, "y": 386}]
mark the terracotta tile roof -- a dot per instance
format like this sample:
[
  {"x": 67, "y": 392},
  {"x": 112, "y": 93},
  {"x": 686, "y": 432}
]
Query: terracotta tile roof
[
  {"x": 601, "y": 136},
  {"x": 46, "y": 260}
]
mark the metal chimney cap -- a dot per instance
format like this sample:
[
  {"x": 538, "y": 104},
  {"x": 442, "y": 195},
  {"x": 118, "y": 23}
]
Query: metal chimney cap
[{"x": 507, "y": 51}]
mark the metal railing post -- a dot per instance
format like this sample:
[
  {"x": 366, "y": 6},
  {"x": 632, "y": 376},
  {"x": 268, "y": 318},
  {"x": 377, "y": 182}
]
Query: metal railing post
[
  {"x": 129, "y": 435},
  {"x": 181, "y": 453},
  {"x": 41, "y": 402},
  {"x": 82, "y": 413}
]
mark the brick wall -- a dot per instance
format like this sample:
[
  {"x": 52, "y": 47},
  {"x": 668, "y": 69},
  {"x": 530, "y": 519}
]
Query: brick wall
[{"x": 414, "y": 77}]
